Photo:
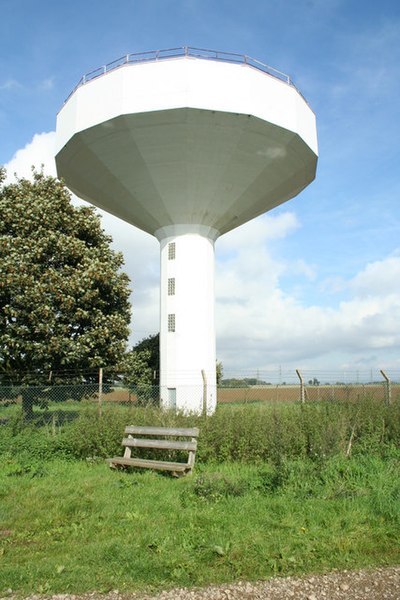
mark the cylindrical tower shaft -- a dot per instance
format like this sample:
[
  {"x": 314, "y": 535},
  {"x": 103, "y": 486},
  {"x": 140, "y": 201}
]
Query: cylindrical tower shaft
[{"x": 187, "y": 329}]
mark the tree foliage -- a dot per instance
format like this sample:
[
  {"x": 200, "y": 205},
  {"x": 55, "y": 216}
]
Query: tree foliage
[
  {"x": 141, "y": 366},
  {"x": 151, "y": 346},
  {"x": 219, "y": 372},
  {"x": 136, "y": 369},
  {"x": 64, "y": 299}
]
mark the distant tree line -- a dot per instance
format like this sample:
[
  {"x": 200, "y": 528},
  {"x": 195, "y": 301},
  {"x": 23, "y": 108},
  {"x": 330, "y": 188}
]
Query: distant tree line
[{"x": 242, "y": 383}]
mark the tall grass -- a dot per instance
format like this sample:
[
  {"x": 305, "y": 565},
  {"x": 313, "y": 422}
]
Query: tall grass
[{"x": 248, "y": 434}]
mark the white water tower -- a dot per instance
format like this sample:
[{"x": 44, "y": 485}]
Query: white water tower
[{"x": 186, "y": 144}]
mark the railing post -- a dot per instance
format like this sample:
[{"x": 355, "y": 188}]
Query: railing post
[
  {"x": 388, "y": 388},
  {"x": 302, "y": 389}
]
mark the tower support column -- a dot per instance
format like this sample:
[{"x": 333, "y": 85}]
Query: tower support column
[{"x": 187, "y": 327}]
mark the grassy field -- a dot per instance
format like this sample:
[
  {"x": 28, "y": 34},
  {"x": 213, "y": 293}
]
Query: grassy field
[
  {"x": 291, "y": 393},
  {"x": 277, "y": 490}
]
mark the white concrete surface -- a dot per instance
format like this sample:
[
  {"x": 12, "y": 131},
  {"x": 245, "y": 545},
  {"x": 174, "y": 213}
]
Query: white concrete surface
[
  {"x": 188, "y": 356},
  {"x": 187, "y": 82},
  {"x": 187, "y": 149}
]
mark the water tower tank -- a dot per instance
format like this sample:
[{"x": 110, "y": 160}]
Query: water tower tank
[{"x": 186, "y": 144}]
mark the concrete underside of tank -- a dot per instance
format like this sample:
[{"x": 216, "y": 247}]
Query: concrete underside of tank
[{"x": 186, "y": 166}]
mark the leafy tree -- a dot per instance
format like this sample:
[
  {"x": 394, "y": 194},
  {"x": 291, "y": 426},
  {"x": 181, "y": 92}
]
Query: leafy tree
[
  {"x": 63, "y": 298},
  {"x": 234, "y": 383},
  {"x": 151, "y": 344},
  {"x": 219, "y": 372},
  {"x": 138, "y": 376},
  {"x": 136, "y": 368},
  {"x": 142, "y": 367}
]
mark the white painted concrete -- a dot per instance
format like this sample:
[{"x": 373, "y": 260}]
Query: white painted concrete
[
  {"x": 186, "y": 166},
  {"x": 187, "y": 149},
  {"x": 187, "y": 82},
  {"x": 187, "y": 352}
]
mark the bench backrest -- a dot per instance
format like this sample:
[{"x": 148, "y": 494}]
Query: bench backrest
[{"x": 150, "y": 438}]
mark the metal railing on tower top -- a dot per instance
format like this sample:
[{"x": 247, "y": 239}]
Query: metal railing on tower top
[{"x": 182, "y": 51}]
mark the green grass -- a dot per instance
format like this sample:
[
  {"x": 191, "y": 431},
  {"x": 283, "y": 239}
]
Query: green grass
[
  {"x": 75, "y": 526},
  {"x": 273, "y": 493}
]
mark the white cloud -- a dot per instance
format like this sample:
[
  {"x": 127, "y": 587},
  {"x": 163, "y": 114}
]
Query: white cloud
[
  {"x": 38, "y": 152},
  {"x": 46, "y": 84},
  {"x": 10, "y": 84},
  {"x": 380, "y": 278},
  {"x": 259, "y": 326},
  {"x": 41, "y": 86},
  {"x": 258, "y": 232},
  {"x": 141, "y": 254}
]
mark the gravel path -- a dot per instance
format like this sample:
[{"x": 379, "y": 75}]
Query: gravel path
[{"x": 374, "y": 584}]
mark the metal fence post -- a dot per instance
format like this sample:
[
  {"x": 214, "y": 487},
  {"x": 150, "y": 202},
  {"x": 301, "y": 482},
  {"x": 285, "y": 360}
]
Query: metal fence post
[
  {"x": 388, "y": 388},
  {"x": 302, "y": 389},
  {"x": 203, "y": 374},
  {"x": 100, "y": 388}
]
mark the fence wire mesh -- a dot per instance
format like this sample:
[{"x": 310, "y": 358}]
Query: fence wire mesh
[{"x": 281, "y": 387}]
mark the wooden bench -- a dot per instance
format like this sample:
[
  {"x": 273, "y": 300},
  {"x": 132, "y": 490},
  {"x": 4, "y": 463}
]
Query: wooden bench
[{"x": 149, "y": 437}]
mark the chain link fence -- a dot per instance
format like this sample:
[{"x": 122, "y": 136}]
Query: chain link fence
[{"x": 276, "y": 387}]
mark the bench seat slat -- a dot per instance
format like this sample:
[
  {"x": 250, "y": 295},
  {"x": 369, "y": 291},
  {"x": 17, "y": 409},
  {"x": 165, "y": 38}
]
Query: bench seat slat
[
  {"x": 142, "y": 437},
  {"x": 139, "y": 430},
  {"x": 160, "y": 444},
  {"x": 149, "y": 464}
]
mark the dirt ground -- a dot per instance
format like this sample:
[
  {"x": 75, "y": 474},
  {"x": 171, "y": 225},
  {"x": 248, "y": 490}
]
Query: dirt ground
[{"x": 367, "y": 584}]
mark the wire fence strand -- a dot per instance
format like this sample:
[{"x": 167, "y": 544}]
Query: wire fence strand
[{"x": 265, "y": 387}]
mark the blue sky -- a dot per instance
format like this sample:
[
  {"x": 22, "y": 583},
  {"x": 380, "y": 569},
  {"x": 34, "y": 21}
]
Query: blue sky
[{"x": 324, "y": 289}]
